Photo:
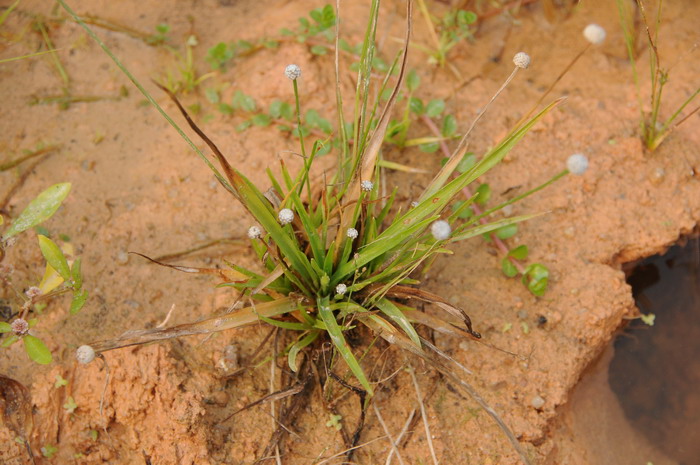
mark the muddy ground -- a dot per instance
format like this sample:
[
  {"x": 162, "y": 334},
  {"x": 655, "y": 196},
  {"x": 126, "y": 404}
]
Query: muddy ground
[{"x": 138, "y": 187}]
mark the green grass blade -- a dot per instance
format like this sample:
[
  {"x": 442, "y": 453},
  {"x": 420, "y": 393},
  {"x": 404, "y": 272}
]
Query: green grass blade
[
  {"x": 460, "y": 235},
  {"x": 298, "y": 346},
  {"x": 392, "y": 311},
  {"x": 336, "y": 335}
]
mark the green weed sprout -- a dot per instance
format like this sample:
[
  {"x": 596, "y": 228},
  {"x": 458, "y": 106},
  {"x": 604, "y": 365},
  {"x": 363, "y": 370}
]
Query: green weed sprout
[
  {"x": 340, "y": 253},
  {"x": 653, "y": 129},
  {"x": 60, "y": 276},
  {"x": 184, "y": 79},
  {"x": 446, "y": 32}
]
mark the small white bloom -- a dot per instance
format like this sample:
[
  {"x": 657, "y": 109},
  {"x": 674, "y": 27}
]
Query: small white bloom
[
  {"x": 367, "y": 186},
  {"x": 577, "y": 163},
  {"x": 414, "y": 204},
  {"x": 85, "y": 354},
  {"x": 352, "y": 233},
  {"x": 285, "y": 216},
  {"x": 293, "y": 72},
  {"x": 341, "y": 289},
  {"x": 254, "y": 232},
  {"x": 441, "y": 230},
  {"x": 20, "y": 327},
  {"x": 594, "y": 33},
  {"x": 521, "y": 60}
]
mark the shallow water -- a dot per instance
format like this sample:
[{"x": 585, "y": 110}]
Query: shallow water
[
  {"x": 639, "y": 404},
  {"x": 655, "y": 371}
]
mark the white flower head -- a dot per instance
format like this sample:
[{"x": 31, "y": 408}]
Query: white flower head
[
  {"x": 85, "y": 354},
  {"x": 352, "y": 233},
  {"x": 293, "y": 72},
  {"x": 254, "y": 232},
  {"x": 594, "y": 33},
  {"x": 367, "y": 186},
  {"x": 521, "y": 60},
  {"x": 441, "y": 230},
  {"x": 285, "y": 216},
  {"x": 577, "y": 163},
  {"x": 414, "y": 204},
  {"x": 341, "y": 289},
  {"x": 20, "y": 327}
]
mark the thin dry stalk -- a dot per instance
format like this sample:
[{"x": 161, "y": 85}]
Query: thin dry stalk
[
  {"x": 403, "y": 432},
  {"x": 426, "y": 425},
  {"x": 388, "y": 434}
]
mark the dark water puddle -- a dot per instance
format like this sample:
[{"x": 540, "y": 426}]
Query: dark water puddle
[
  {"x": 655, "y": 370},
  {"x": 639, "y": 404}
]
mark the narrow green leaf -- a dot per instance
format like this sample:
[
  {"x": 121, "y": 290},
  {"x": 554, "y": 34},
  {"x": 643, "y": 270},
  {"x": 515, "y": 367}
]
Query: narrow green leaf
[
  {"x": 340, "y": 344},
  {"x": 77, "y": 274},
  {"x": 54, "y": 256},
  {"x": 36, "y": 350},
  {"x": 39, "y": 209},
  {"x": 297, "y": 346},
  {"x": 396, "y": 315},
  {"x": 79, "y": 299}
]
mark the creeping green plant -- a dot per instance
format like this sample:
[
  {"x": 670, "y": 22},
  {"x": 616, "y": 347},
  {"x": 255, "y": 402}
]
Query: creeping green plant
[{"x": 60, "y": 276}]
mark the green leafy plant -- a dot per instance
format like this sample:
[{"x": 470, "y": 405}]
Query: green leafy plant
[
  {"x": 653, "y": 128},
  {"x": 184, "y": 78},
  {"x": 446, "y": 32},
  {"x": 343, "y": 254},
  {"x": 60, "y": 275}
]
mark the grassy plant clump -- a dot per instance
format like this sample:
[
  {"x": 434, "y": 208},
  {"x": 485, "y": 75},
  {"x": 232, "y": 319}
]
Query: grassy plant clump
[
  {"x": 60, "y": 276},
  {"x": 653, "y": 128},
  {"x": 338, "y": 253}
]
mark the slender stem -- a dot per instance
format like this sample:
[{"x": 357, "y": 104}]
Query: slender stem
[
  {"x": 28, "y": 156},
  {"x": 468, "y": 194},
  {"x": 551, "y": 86}
]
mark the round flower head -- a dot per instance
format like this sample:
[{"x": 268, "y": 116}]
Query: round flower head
[
  {"x": 441, "y": 230},
  {"x": 414, "y": 204},
  {"x": 366, "y": 186},
  {"x": 577, "y": 163},
  {"x": 521, "y": 60},
  {"x": 293, "y": 72},
  {"x": 254, "y": 232},
  {"x": 352, "y": 233},
  {"x": 594, "y": 33},
  {"x": 285, "y": 216},
  {"x": 341, "y": 289},
  {"x": 33, "y": 292},
  {"x": 20, "y": 327},
  {"x": 85, "y": 354}
]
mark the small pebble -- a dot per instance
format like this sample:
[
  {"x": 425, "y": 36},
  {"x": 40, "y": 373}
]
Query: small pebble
[
  {"x": 537, "y": 402},
  {"x": 122, "y": 257}
]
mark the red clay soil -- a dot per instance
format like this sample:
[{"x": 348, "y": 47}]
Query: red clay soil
[{"x": 138, "y": 187}]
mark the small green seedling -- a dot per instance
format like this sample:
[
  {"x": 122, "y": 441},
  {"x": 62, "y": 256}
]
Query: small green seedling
[
  {"x": 60, "y": 275},
  {"x": 653, "y": 129},
  {"x": 184, "y": 78},
  {"x": 446, "y": 32}
]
